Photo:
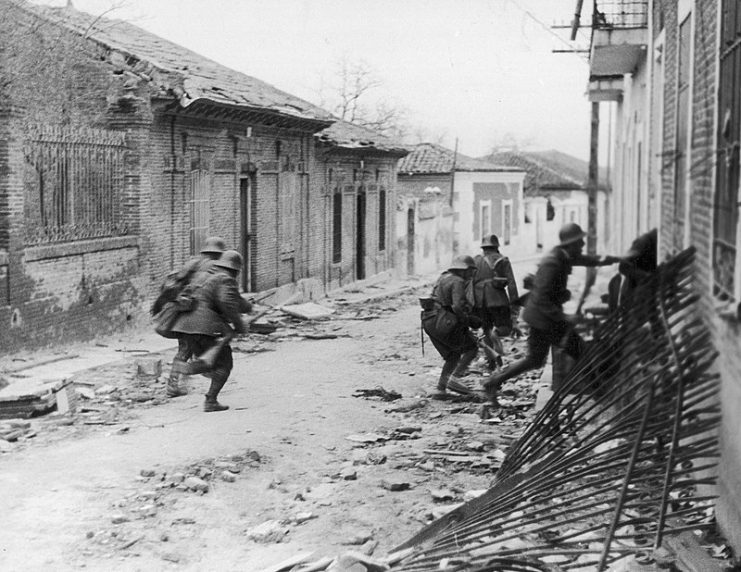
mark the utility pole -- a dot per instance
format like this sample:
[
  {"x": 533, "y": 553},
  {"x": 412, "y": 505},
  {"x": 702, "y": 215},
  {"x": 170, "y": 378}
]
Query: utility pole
[{"x": 593, "y": 181}]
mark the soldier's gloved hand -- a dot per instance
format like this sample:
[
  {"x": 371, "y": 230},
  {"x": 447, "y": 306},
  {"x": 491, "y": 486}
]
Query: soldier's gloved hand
[
  {"x": 607, "y": 260},
  {"x": 565, "y": 297}
]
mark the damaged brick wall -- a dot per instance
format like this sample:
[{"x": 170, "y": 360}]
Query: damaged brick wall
[
  {"x": 55, "y": 288},
  {"x": 725, "y": 329},
  {"x": 280, "y": 228}
]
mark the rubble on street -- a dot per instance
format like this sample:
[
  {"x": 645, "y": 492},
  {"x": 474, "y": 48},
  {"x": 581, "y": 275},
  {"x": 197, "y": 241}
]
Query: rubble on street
[{"x": 422, "y": 461}]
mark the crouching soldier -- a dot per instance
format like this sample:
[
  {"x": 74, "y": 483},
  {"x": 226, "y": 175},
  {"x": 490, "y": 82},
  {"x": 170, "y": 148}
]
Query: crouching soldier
[
  {"x": 447, "y": 323},
  {"x": 212, "y": 322}
]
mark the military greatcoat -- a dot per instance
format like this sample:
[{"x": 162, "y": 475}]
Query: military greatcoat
[{"x": 216, "y": 304}]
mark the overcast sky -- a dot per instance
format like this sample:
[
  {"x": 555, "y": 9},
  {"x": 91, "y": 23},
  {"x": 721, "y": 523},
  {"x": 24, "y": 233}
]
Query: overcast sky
[{"x": 480, "y": 71}]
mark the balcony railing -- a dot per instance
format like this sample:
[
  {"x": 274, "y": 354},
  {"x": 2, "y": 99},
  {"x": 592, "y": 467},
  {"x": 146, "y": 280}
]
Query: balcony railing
[{"x": 620, "y": 14}]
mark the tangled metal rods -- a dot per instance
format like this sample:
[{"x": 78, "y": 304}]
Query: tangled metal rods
[{"x": 617, "y": 460}]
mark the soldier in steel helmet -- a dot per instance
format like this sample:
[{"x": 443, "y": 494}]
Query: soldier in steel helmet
[
  {"x": 447, "y": 324},
  {"x": 174, "y": 291},
  {"x": 544, "y": 307},
  {"x": 215, "y": 317},
  {"x": 495, "y": 293}
]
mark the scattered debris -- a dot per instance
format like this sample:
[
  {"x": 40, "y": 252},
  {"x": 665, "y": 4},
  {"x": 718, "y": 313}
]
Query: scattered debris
[
  {"x": 358, "y": 538},
  {"x": 395, "y": 484},
  {"x": 267, "y": 532},
  {"x": 366, "y": 438},
  {"x": 380, "y": 392},
  {"x": 307, "y": 311},
  {"x": 407, "y": 406},
  {"x": 30, "y": 397}
]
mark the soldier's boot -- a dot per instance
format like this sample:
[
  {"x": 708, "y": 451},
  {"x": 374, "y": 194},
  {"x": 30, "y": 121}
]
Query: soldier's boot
[
  {"x": 447, "y": 370},
  {"x": 218, "y": 379},
  {"x": 491, "y": 388},
  {"x": 174, "y": 389},
  {"x": 456, "y": 382}
]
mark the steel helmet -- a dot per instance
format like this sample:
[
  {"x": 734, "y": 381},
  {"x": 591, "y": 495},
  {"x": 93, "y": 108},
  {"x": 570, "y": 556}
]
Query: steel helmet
[
  {"x": 490, "y": 241},
  {"x": 462, "y": 262},
  {"x": 570, "y": 233},
  {"x": 230, "y": 259},
  {"x": 213, "y": 244}
]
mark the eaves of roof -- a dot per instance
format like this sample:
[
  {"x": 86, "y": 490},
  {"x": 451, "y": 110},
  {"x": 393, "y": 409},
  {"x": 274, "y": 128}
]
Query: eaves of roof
[
  {"x": 177, "y": 72},
  {"x": 343, "y": 136}
]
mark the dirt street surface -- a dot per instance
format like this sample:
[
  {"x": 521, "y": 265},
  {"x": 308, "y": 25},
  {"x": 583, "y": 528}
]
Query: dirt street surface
[{"x": 317, "y": 454}]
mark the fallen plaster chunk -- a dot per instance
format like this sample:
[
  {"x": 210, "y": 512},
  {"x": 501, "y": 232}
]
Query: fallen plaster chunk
[
  {"x": 269, "y": 531},
  {"x": 307, "y": 311}
]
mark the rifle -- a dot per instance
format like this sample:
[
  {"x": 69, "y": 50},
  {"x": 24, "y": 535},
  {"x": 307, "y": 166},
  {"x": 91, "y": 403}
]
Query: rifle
[{"x": 207, "y": 359}]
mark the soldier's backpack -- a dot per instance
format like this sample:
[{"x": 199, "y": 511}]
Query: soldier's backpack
[{"x": 173, "y": 287}]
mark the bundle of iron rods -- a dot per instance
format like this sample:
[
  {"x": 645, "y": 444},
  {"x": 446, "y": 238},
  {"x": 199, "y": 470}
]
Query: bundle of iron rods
[{"x": 619, "y": 458}]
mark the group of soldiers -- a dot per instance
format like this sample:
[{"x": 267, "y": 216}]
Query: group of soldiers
[
  {"x": 481, "y": 293},
  {"x": 200, "y": 306}
]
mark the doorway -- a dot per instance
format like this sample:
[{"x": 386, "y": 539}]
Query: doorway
[
  {"x": 410, "y": 241},
  {"x": 360, "y": 236},
  {"x": 246, "y": 242}
]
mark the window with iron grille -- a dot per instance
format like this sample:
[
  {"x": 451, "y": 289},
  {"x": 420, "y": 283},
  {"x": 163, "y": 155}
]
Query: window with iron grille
[
  {"x": 73, "y": 184},
  {"x": 337, "y": 226},
  {"x": 727, "y": 179},
  {"x": 382, "y": 219}
]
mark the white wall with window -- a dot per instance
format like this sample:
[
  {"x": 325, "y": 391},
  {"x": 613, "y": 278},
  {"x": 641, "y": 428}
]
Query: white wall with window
[
  {"x": 506, "y": 237},
  {"x": 485, "y": 217}
]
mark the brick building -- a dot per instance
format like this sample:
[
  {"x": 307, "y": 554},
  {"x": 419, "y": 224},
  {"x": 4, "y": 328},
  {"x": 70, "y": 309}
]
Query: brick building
[
  {"x": 120, "y": 152},
  {"x": 672, "y": 71},
  {"x": 461, "y": 199},
  {"x": 357, "y": 169}
]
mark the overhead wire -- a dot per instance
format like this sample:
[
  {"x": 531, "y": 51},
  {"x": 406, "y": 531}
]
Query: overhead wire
[{"x": 547, "y": 28}]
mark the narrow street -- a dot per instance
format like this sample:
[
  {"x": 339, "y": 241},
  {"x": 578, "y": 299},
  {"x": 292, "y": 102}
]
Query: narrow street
[{"x": 315, "y": 464}]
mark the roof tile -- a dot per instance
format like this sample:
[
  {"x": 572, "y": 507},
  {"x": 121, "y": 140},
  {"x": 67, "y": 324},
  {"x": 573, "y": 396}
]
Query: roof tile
[{"x": 433, "y": 158}]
